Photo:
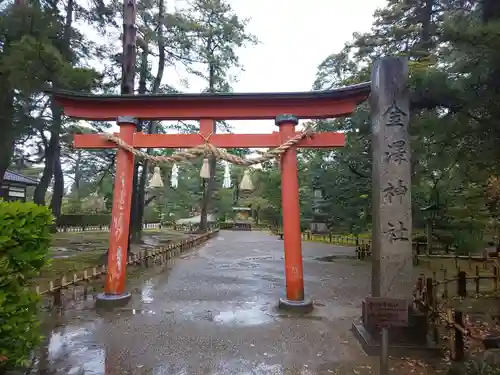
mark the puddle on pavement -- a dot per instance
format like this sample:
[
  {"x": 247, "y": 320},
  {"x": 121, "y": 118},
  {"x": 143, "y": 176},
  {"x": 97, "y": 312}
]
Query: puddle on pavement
[
  {"x": 231, "y": 367},
  {"x": 131, "y": 311},
  {"x": 264, "y": 257},
  {"x": 147, "y": 291},
  {"x": 248, "y": 317},
  {"x": 72, "y": 350},
  {"x": 333, "y": 258}
]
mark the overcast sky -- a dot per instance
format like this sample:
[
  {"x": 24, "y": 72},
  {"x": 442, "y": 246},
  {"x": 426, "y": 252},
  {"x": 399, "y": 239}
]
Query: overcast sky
[{"x": 295, "y": 37}]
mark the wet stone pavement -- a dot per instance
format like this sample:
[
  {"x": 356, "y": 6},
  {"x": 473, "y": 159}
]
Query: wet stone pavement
[{"x": 214, "y": 312}]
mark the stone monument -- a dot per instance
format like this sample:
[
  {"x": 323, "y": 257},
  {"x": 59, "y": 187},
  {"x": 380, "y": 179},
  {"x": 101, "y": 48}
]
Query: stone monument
[{"x": 392, "y": 219}]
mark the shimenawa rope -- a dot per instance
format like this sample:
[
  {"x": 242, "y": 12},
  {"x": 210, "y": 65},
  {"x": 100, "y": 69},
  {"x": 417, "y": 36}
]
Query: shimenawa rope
[{"x": 208, "y": 148}]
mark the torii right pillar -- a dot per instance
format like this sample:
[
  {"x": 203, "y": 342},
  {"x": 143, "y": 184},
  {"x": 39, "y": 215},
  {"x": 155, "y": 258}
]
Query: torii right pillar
[{"x": 290, "y": 204}]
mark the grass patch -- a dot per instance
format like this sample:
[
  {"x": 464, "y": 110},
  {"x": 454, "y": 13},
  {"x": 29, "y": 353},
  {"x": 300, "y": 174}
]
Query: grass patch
[
  {"x": 61, "y": 266},
  {"x": 76, "y": 251}
]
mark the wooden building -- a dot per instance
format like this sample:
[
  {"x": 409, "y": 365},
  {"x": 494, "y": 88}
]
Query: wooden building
[{"x": 14, "y": 186}]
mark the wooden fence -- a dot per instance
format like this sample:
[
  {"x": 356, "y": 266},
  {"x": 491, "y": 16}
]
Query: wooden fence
[
  {"x": 54, "y": 288},
  {"x": 105, "y": 228},
  {"x": 236, "y": 226},
  {"x": 100, "y": 228},
  {"x": 432, "y": 297}
]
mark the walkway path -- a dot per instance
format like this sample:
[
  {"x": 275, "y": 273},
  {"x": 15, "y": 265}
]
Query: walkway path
[{"x": 213, "y": 312}]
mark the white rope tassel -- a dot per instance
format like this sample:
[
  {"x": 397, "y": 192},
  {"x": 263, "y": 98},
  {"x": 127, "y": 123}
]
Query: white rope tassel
[
  {"x": 174, "y": 179},
  {"x": 226, "y": 184},
  {"x": 156, "y": 181},
  {"x": 246, "y": 181},
  {"x": 205, "y": 169}
]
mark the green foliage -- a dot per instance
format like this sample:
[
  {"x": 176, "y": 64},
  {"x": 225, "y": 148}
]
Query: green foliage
[
  {"x": 151, "y": 214},
  {"x": 474, "y": 367},
  {"x": 217, "y": 33},
  {"x": 452, "y": 47},
  {"x": 24, "y": 244},
  {"x": 83, "y": 220}
]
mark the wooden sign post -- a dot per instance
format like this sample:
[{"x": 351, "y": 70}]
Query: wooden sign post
[
  {"x": 386, "y": 313},
  {"x": 392, "y": 224}
]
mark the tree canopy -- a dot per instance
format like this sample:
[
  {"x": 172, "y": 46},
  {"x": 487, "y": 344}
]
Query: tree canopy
[{"x": 452, "y": 45}]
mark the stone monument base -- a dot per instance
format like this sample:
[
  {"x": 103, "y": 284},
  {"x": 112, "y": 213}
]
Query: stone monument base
[{"x": 402, "y": 340}]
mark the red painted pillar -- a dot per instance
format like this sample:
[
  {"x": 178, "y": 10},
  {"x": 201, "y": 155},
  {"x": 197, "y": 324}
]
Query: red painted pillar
[
  {"x": 114, "y": 289},
  {"x": 294, "y": 273}
]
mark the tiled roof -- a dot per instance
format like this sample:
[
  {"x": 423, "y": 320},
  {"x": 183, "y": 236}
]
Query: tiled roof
[{"x": 16, "y": 177}]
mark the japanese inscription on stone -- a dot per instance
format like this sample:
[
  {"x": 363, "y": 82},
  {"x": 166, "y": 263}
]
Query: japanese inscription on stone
[
  {"x": 396, "y": 116},
  {"x": 391, "y": 234},
  {"x": 398, "y": 189},
  {"x": 396, "y": 152},
  {"x": 397, "y": 231}
]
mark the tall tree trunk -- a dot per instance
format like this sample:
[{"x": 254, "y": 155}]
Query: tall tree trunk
[
  {"x": 58, "y": 189},
  {"x": 53, "y": 151},
  {"x": 129, "y": 47},
  {"x": 7, "y": 126},
  {"x": 137, "y": 200},
  {"x": 78, "y": 175},
  {"x": 426, "y": 33},
  {"x": 57, "y": 114},
  {"x": 490, "y": 10},
  {"x": 48, "y": 171},
  {"x": 128, "y": 74},
  {"x": 209, "y": 187},
  {"x": 8, "y": 131},
  {"x": 152, "y": 127}
]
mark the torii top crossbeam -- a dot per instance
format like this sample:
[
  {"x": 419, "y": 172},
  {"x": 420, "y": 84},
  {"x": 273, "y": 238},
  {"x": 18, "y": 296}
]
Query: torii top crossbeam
[
  {"x": 285, "y": 108},
  {"x": 215, "y": 106}
]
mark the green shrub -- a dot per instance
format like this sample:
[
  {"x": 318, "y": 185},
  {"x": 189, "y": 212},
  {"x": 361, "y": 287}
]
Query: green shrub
[
  {"x": 24, "y": 244},
  {"x": 83, "y": 220},
  {"x": 151, "y": 215},
  {"x": 474, "y": 367},
  {"x": 466, "y": 242}
]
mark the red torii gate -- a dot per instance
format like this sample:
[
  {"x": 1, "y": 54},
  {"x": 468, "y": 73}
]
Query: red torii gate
[{"x": 207, "y": 108}]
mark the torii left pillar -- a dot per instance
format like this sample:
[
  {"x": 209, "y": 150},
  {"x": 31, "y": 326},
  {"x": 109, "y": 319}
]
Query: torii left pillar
[{"x": 114, "y": 288}]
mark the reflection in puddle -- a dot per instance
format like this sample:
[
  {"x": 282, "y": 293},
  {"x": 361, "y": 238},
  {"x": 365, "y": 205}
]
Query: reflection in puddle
[
  {"x": 250, "y": 317},
  {"x": 71, "y": 350},
  {"x": 168, "y": 370},
  {"x": 262, "y": 369},
  {"x": 239, "y": 367},
  {"x": 147, "y": 291}
]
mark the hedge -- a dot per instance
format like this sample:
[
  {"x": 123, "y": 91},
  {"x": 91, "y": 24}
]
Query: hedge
[
  {"x": 83, "y": 220},
  {"x": 24, "y": 245}
]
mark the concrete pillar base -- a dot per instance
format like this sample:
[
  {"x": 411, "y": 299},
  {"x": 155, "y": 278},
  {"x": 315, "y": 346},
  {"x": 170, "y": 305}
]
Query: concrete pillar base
[
  {"x": 108, "y": 301},
  {"x": 303, "y": 307}
]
